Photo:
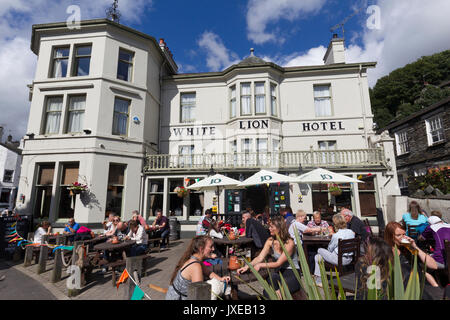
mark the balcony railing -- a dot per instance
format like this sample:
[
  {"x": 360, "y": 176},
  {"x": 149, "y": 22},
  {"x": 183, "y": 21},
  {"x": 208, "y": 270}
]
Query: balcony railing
[{"x": 360, "y": 158}]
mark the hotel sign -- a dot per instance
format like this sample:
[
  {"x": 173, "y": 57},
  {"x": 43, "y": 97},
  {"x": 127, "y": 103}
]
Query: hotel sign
[{"x": 322, "y": 125}]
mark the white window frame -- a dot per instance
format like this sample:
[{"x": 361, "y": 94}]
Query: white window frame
[
  {"x": 54, "y": 59},
  {"x": 247, "y": 96},
  {"x": 273, "y": 100},
  {"x": 318, "y": 98},
  {"x": 130, "y": 64},
  {"x": 233, "y": 108},
  {"x": 70, "y": 111},
  {"x": 188, "y": 156},
  {"x": 191, "y": 106},
  {"x": 434, "y": 126},
  {"x": 260, "y": 95},
  {"x": 76, "y": 56},
  {"x": 402, "y": 142},
  {"x": 118, "y": 112}
]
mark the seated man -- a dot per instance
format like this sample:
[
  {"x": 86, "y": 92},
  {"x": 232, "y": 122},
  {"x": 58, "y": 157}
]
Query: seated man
[
  {"x": 136, "y": 216},
  {"x": 317, "y": 221},
  {"x": 355, "y": 224},
  {"x": 299, "y": 223},
  {"x": 439, "y": 231},
  {"x": 255, "y": 230},
  {"x": 71, "y": 228},
  {"x": 122, "y": 230},
  {"x": 137, "y": 233},
  {"x": 288, "y": 216},
  {"x": 162, "y": 227},
  {"x": 204, "y": 224}
]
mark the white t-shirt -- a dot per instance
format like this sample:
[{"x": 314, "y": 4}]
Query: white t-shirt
[
  {"x": 300, "y": 227},
  {"x": 141, "y": 237},
  {"x": 38, "y": 235},
  {"x": 109, "y": 226}
]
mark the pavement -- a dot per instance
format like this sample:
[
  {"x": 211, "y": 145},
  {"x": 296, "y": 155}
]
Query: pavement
[{"x": 39, "y": 287}]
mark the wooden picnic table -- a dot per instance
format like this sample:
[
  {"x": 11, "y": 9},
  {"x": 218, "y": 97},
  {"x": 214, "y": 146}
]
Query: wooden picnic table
[
  {"x": 239, "y": 242},
  {"x": 318, "y": 240},
  {"x": 119, "y": 247}
]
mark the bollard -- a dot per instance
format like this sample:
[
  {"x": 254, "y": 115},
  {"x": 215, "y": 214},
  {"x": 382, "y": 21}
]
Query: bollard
[
  {"x": 74, "y": 281},
  {"x": 57, "y": 266},
  {"x": 199, "y": 291},
  {"x": 134, "y": 268},
  {"x": 43, "y": 256},
  {"x": 28, "y": 251}
]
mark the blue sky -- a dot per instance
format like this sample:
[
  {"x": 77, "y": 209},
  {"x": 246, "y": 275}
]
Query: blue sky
[{"x": 211, "y": 35}]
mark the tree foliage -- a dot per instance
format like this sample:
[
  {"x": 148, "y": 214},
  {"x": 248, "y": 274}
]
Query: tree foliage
[{"x": 410, "y": 88}]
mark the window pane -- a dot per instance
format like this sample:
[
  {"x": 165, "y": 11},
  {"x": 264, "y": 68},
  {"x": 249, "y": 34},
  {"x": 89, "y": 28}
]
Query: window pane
[
  {"x": 77, "y": 106},
  {"x": 46, "y": 174},
  {"x": 60, "y": 61},
  {"x": 62, "y": 52},
  {"x": 120, "y": 120},
  {"x": 116, "y": 174},
  {"x": 187, "y": 107},
  {"x": 54, "y": 107},
  {"x": 322, "y": 91},
  {"x": 82, "y": 66},
  {"x": 125, "y": 65},
  {"x": 70, "y": 173},
  {"x": 84, "y": 51},
  {"x": 260, "y": 102}
]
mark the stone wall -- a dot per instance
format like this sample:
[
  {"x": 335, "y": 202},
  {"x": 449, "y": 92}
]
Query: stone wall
[{"x": 398, "y": 205}]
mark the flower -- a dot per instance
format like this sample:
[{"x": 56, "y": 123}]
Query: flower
[
  {"x": 181, "y": 191},
  {"x": 334, "y": 189},
  {"x": 78, "y": 186}
]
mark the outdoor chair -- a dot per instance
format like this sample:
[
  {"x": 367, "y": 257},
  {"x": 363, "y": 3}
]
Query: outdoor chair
[
  {"x": 368, "y": 228},
  {"x": 345, "y": 247},
  {"x": 380, "y": 221},
  {"x": 412, "y": 232}
]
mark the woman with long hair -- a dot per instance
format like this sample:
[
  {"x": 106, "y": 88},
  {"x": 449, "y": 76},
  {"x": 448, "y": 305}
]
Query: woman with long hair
[
  {"x": 44, "y": 228},
  {"x": 379, "y": 255},
  {"x": 273, "y": 247},
  {"x": 190, "y": 269},
  {"x": 395, "y": 236},
  {"x": 330, "y": 254},
  {"x": 415, "y": 217}
]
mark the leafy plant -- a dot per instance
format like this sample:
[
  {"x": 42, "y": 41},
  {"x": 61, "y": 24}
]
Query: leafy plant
[
  {"x": 437, "y": 178},
  {"x": 395, "y": 287}
]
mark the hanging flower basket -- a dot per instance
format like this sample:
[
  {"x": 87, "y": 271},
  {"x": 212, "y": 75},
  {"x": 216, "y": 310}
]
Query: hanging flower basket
[
  {"x": 77, "y": 188},
  {"x": 335, "y": 190},
  {"x": 181, "y": 191}
]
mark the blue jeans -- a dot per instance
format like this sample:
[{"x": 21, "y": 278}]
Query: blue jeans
[
  {"x": 164, "y": 235},
  {"x": 137, "y": 249}
]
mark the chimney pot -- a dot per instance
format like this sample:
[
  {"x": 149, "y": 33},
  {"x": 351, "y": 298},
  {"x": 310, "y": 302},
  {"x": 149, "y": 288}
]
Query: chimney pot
[{"x": 335, "y": 35}]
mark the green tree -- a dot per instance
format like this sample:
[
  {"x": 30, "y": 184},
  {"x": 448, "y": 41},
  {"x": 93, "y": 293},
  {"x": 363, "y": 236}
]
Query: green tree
[{"x": 402, "y": 91}]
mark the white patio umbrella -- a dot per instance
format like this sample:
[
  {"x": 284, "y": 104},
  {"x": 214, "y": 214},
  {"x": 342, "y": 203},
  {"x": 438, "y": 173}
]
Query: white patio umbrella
[
  {"x": 216, "y": 182},
  {"x": 320, "y": 175},
  {"x": 265, "y": 176}
]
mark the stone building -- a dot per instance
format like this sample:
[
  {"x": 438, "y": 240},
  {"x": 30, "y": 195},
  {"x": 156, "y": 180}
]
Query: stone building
[{"x": 422, "y": 141}]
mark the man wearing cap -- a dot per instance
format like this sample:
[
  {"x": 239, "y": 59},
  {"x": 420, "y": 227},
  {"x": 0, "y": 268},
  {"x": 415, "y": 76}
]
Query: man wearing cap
[{"x": 439, "y": 231}]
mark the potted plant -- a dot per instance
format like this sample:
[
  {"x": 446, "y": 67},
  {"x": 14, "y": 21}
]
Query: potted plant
[
  {"x": 181, "y": 191},
  {"x": 334, "y": 190},
  {"x": 77, "y": 188}
]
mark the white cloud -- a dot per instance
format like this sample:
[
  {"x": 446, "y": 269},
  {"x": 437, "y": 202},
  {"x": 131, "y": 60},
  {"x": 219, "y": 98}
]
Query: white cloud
[
  {"x": 18, "y": 63},
  {"x": 409, "y": 29},
  {"x": 218, "y": 57},
  {"x": 260, "y": 13}
]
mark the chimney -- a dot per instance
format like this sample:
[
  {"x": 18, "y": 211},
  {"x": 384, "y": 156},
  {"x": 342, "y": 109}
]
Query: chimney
[{"x": 335, "y": 52}]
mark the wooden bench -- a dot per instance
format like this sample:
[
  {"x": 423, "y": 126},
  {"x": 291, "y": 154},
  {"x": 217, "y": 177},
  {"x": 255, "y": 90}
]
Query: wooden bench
[{"x": 158, "y": 241}]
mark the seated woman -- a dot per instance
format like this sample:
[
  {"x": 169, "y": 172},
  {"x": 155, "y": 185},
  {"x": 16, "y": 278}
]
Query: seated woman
[
  {"x": 44, "y": 229},
  {"x": 190, "y": 269},
  {"x": 394, "y": 233},
  {"x": 317, "y": 221},
  {"x": 415, "y": 217},
  {"x": 273, "y": 247},
  {"x": 378, "y": 256},
  {"x": 330, "y": 255},
  {"x": 137, "y": 233}
]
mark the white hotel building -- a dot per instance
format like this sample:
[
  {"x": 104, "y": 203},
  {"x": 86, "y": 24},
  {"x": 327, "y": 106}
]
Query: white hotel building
[{"x": 109, "y": 109}]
